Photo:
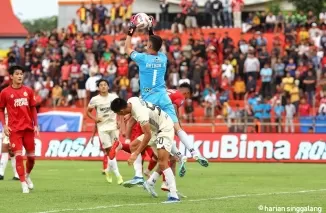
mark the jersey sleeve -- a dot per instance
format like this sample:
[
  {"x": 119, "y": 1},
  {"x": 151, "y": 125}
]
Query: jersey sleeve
[
  {"x": 92, "y": 103},
  {"x": 32, "y": 99},
  {"x": 137, "y": 57},
  {"x": 3, "y": 100},
  {"x": 179, "y": 102}
]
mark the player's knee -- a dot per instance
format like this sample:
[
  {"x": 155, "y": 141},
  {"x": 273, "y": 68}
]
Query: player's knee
[{"x": 163, "y": 165}]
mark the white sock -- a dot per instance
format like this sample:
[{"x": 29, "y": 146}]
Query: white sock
[
  {"x": 114, "y": 167},
  {"x": 175, "y": 151},
  {"x": 138, "y": 166},
  {"x": 109, "y": 166},
  {"x": 185, "y": 140},
  {"x": 153, "y": 178},
  {"x": 3, "y": 163},
  {"x": 13, "y": 165},
  {"x": 170, "y": 179}
]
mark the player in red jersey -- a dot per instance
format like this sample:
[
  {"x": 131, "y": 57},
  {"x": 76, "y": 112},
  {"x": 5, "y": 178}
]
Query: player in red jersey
[{"x": 20, "y": 103}]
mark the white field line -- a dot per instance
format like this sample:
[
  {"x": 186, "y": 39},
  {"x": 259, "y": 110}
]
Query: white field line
[{"x": 185, "y": 200}]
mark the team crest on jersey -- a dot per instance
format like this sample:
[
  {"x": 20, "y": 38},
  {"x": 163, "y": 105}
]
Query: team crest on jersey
[
  {"x": 12, "y": 96},
  {"x": 25, "y": 93}
]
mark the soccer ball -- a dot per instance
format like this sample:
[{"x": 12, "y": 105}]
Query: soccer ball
[{"x": 142, "y": 20}]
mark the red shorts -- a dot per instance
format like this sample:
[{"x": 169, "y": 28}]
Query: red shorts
[
  {"x": 136, "y": 131},
  {"x": 21, "y": 139}
]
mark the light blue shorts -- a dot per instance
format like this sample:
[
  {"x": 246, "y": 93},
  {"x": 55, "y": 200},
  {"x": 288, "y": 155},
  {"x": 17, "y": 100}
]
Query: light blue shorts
[{"x": 164, "y": 102}]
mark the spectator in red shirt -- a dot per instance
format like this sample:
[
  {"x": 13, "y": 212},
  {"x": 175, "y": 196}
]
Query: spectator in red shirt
[
  {"x": 75, "y": 71},
  {"x": 304, "y": 108},
  {"x": 65, "y": 71}
]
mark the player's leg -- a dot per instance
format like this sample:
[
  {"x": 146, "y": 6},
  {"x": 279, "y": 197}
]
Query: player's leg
[
  {"x": 182, "y": 159},
  {"x": 105, "y": 139},
  {"x": 16, "y": 143},
  {"x": 13, "y": 162},
  {"x": 164, "y": 147},
  {"x": 184, "y": 138},
  {"x": 164, "y": 186},
  {"x": 114, "y": 135},
  {"x": 4, "y": 159},
  {"x": 29, "y": 144},
  {"x": 104, "y": 161},
  {"x": 152, "y": 162},
  {"x": 138, "y": 179}
]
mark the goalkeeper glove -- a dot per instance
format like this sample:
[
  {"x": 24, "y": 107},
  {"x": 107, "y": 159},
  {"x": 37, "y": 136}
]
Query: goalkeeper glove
[
  {"x": 150, "y": 28},
  {"x": 132, "y": 27}
]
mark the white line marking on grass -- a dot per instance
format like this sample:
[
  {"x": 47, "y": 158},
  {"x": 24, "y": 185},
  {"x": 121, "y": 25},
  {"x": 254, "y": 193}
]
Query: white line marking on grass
[{"x": 197, "y": 200}]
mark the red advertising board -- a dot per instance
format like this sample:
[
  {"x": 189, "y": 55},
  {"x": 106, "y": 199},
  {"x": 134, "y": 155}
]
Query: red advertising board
[{"x": 295, "y": 148}]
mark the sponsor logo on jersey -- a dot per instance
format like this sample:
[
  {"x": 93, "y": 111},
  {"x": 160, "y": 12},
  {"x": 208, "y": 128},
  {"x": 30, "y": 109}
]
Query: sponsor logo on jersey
[
  {"x": 20, "y": 102},
  {"x": 105, "y": 109}
]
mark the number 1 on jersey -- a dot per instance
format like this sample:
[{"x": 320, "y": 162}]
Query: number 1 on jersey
[{"x": 154, "y": 77}]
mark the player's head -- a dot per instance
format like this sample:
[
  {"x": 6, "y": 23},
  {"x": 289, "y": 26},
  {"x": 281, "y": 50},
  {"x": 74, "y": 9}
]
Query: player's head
[
  {"x": 103, "y": 86},
  {"x": 186, "y": 90},
  {"x": 120, "y": 106},
  {"x": 16, "y": 74},
  {"x": 154, "y": 43}
]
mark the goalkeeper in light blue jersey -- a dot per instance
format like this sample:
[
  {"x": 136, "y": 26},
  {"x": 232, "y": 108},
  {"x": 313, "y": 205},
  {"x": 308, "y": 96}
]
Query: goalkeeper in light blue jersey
[{"x": 152, "y": 70}]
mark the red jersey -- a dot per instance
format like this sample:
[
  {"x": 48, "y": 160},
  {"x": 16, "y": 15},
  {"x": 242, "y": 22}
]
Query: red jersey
[
  {"x": 136, "y": 131},
  {"x": 18, "y": 103},
  {"x": 176, "y": 97}
]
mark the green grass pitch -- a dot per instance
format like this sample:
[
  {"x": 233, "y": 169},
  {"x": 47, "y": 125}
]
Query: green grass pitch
[{"x": 73, "y": 186}]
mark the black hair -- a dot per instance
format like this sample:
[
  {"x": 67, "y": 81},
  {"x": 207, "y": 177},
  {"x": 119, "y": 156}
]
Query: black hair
[
  {"x": 101, "y": 80},
  {"x": 156, "y": 42},
  {"x": 118, "y": 104},
  {"x": 186, "y": 85},
  {"x": 13, "y": 68}
]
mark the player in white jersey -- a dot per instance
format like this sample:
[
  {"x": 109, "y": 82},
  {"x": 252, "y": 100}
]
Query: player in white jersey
[
  {"x": 158, "y": 132},
  {"x": 5, "y": 153},
  {"x": 106, "y": 121}
]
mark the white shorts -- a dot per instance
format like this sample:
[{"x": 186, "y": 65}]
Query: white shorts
[
  {"x": 162, "y": 140},
  {"x": 108, "y": 137}
]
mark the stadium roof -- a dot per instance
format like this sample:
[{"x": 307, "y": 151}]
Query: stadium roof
[{"x": 10, "y": 25}]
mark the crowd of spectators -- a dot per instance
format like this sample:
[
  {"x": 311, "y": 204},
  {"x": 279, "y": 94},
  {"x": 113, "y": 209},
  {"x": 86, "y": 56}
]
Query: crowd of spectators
[{"x": 286, "y": 80}]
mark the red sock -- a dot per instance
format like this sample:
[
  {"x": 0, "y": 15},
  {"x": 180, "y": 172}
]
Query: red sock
[
  {"x": 126, "y": 148},
  {"x": 30, "y": 164},
  {"x": 151, "y": 165},
  {"x": 20, "y": 168},
  {"x": 105, "y": 162}
]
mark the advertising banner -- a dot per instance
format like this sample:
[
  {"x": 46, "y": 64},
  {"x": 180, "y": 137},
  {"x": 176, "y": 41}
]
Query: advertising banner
[{"x": 294, "y": 148}]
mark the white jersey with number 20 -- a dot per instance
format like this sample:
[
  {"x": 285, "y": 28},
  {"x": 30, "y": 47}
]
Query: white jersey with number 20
[{"x": 144, "y": 112}]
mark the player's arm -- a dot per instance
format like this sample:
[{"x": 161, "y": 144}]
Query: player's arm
[
  {"x": 176, "y": 109},
  {"x": 130, "y": 123},
  {"x": 131, "y": 31},
  {"x": 32, "y": 104},
  {"x": 147, "y": 136},
  {"x": 90, "y": 108},
  {"x": 3, "y": 103}
]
